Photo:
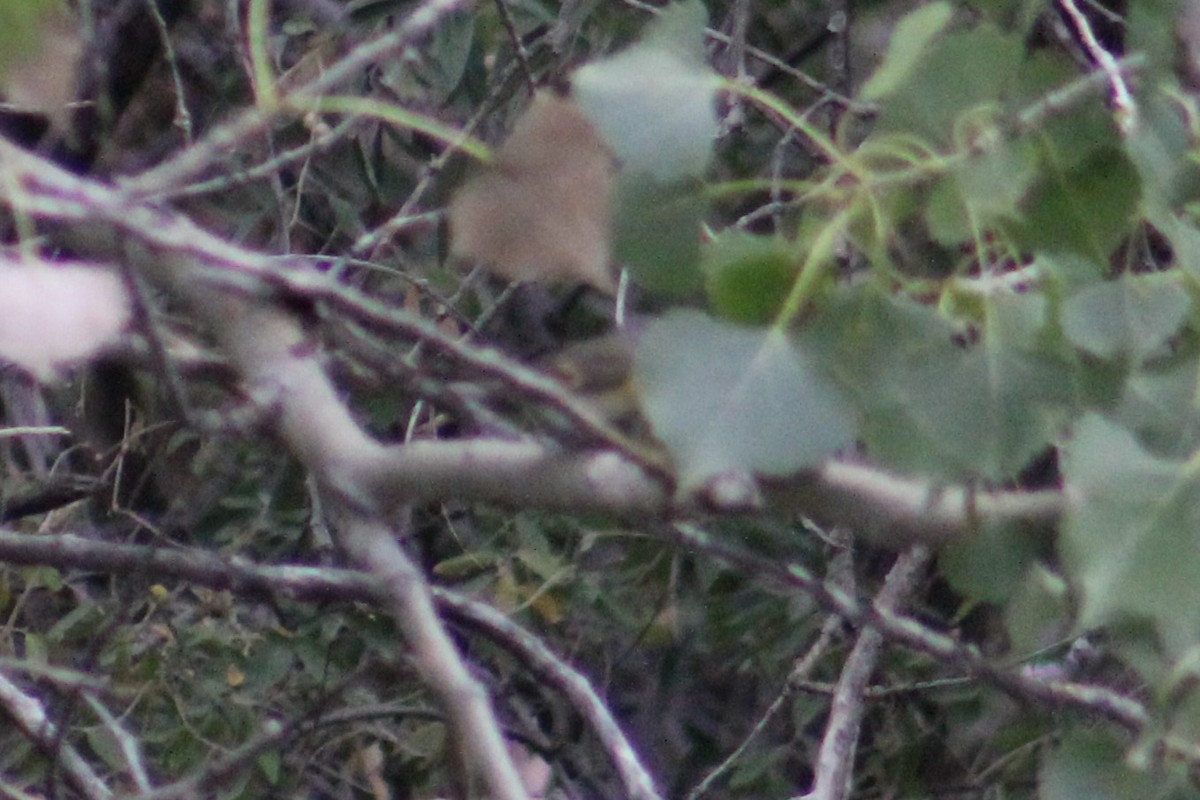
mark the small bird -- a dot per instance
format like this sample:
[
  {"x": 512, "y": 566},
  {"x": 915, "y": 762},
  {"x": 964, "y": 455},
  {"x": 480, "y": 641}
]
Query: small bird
[{"x": 600, "y": 371}]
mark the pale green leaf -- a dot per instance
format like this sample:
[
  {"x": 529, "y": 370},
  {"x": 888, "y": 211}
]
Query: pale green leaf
[
  {"x": 654, "y": 102},
  {"x": 1038, "y": 611},
  {"x": 934, "y": 406},
  {"x": 958, "y": 75},
  {"x": 978, "y": 193},
  {"x": 1133, "y": 517},
  {"x": 1131, "y": 318},
  {"x": 1090, "y": 765},
  {"x": 909, "y": 43},
  {"x": 1161, "y": 402},
  {"x": 725, "y": 398},
  {"x": 679, "y": 29}
]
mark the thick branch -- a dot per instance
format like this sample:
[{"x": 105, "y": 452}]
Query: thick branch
[
  {"x": 410, "y": 603},
  {"x": 893, "y": 510}
]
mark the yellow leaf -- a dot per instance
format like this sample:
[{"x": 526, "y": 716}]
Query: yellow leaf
[
  {"x": 548, "y": 607},
  {"x": 234, "y": 677}
]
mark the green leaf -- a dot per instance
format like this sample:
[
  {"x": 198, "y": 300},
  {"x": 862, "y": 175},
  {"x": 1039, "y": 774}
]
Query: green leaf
[
  {"x": 939, "y": 408},
  {"x": 1185, "y": 243},
  {"x": 270, "y": 764},
  {"x": 1133, "y": 517},
  {"x": 981, "y": 192},
  {"x": 909, "y": 43},
  {"x": 1089, "y": 764},
  {"x": 467, "y": 564},
  {"x": 441, "y": 64},
  {"x": 991, "y": 564},
  {"x": 724, "y": 398},
  {"x": 1039, "y": 611},
  {"x": 1088, "y": 207},
  {"x": 1161, "y": 403},
  {"x": 104, "y": 743},
  {"x": 1160, "y": 148},
  {"x": 658, "y": 232},
  {"x": 22, "y": 24},
  {"x": 1129, "y": 318},
  {"x": 654, "y": 102},
  {"x": 536, "y": 552},
  {"x": 748, "y": 276},
  {"x": 960, "y": 73}
]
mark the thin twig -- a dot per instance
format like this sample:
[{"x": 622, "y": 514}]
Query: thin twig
[
  {"x": 325, "y": 584},
  {"x": 321, "y": 139},
  {"x": 1123, "y": 102},
  {"x": 131, "y": 749},
  {"x": 312, "y": 584},
  {"x": 29, "y": 715},
  {"x": 1049, "y": 694},
  {"x": 637, "y": 781},
  {"x": 183, "y": 117},
  {"x": 186, "y": 165},
  {"x": 514, "y": 38},
  {"x": 799, "y": 674},
  {"x": 890, "y": 508},
  {"x": 826, "y": 91}
]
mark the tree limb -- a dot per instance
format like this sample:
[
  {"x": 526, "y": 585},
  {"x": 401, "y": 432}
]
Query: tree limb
[
  {"x": 625, "y": 481},
  {"x": 835, "y": 760}
]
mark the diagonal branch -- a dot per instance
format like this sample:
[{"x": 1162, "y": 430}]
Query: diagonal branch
[
  {"x": 29, "y": 715},
  {"x": 277, "y": 363},
  {"x": 835, "y": 760}
]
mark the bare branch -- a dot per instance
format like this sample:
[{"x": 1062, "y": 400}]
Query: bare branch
[
  {"x": 1092, "y": 699},
  {"x": 1122, "y": 98},
  {"x": 798, "y": 677},
  {"x": 131, "y": 749},
  {"x": 410, "y": 602},
  {"x": 835, "y": 761},
  {"x": 638, "y": 783},
  {"x": 27, "y": 712},
  {"x": 896, "y": 511},
  {"x": 628, "y": 481},
  {"x": 226, "y": 139}
]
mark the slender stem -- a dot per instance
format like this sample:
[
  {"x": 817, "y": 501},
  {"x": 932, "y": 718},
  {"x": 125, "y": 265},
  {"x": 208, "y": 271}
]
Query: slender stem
[
  {"x": 400, "y": 117},
  {"x": 258, "y": 21}
]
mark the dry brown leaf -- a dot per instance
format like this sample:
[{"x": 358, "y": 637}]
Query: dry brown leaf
[{"x": 543, "y": 209}]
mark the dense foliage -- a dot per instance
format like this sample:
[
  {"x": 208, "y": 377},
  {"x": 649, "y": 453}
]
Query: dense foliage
[{"x": 773, "y": 398}]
